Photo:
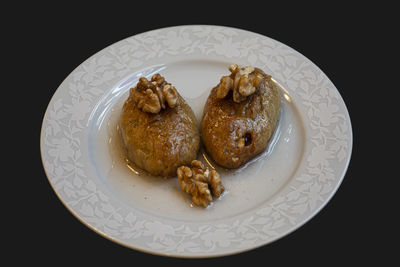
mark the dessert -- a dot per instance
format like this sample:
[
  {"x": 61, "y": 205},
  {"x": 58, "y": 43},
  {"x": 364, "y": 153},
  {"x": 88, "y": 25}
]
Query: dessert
[
  {"x": 158, "y": 128},
  {"x": 240, "y": 116}
]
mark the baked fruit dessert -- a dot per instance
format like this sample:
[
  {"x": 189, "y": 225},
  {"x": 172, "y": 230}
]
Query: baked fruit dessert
[
  {"x": 240, "y": 116},
  {"x": 158, "y": 128}
]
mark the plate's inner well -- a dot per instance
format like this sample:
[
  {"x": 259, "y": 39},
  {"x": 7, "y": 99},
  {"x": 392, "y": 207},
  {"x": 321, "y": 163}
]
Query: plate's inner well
[{"x": 246, "y": 188}]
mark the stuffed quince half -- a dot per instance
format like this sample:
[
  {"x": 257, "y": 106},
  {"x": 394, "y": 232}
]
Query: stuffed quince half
[
  {"x": 159, "y": 129},
  {"x": 240, "y": 116}
]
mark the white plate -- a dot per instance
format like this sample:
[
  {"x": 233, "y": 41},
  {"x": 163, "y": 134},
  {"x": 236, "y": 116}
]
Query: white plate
[{"x": 265, "y": 200}]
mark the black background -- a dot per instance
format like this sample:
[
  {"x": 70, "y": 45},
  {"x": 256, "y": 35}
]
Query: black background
[{"x": 46, "y": 43}]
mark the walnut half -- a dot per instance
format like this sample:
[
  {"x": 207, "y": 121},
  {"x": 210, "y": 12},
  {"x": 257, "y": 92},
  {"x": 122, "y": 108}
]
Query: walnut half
[
  {"x": 200, "y": 183},
  {"x": 242, "y": 81},
  {"x": 154, "y": 95}
]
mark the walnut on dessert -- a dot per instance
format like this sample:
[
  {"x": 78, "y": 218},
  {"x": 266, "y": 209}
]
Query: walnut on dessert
[
  {"x": 242, "y": 81},
  {"x": 200, "y": 182},
  {"x": 154, "y": 95}
]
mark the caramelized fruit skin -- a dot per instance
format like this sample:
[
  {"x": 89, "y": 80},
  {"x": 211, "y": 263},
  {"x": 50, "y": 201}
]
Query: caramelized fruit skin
[
  {"x": 160, "y": 143},
  {"x": 234, "y": 133}
]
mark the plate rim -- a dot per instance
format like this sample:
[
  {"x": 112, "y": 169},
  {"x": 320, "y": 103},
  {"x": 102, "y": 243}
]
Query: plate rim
[{"x": 215, "y": 254}]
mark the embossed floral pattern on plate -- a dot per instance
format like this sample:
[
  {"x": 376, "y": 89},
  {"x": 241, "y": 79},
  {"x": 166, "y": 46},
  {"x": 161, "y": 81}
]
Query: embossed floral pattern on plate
[{"x": 65, "y": 156}]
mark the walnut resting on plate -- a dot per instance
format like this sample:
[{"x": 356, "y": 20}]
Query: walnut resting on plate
[
  {"x": 240, "y": 116},
  {"x": 200, "y": 183},
  {"x": 158, "y": 127}
]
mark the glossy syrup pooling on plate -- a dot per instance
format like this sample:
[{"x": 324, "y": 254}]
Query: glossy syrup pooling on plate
[
  {"x": 246, "y": 187},
  {"x": 308, "y": 163}
]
